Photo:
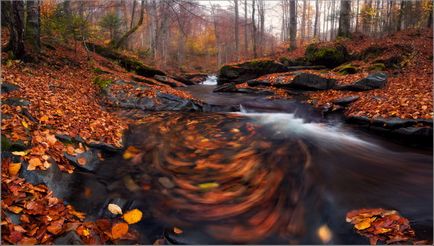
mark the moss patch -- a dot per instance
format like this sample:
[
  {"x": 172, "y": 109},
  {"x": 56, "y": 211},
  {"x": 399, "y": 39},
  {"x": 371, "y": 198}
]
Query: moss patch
[
  {"x": 102, "y": 82},
  {"x": 330, "y": 56},
  {"x": 377, "y": 67},
  {"x": 346, "y": 69}
]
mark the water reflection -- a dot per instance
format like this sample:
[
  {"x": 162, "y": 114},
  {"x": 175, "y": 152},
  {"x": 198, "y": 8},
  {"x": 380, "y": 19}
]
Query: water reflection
[{"x": 266, "y": 178}]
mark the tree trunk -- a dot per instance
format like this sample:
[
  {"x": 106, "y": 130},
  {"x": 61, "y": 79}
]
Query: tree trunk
[
  {"x": 255, "y": 54},
  {"x": 32, "y": 25},
  {"x": 16, "y": 28},
  {"x": 357, "y": 15},
  {"x": 237, "y": 34},
  {"x": 303, "y": 22},
  {"x": 430, "y": 19},
  {"x": 246, "y": 47},
  {"x": 132, "y": 30},
  {"x": 344, "y": 19},
  {"x": 292, "y": 25},
  {"x": 315, "y": 27}
]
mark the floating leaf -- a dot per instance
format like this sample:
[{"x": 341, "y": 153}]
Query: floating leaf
[
  {"x": 133, "y": 216},
  {"x": 176, "y": 230},
  {"x": 114, "y": 209},
  {"x": 119, "y": 230},
  {"x": 208, "y": 185},
  {"x": 130, "y": 152},
  {"x": 324, "y": 234},
  {"x": 14, "y": 168},
  {"x": 82, "y": 161}
]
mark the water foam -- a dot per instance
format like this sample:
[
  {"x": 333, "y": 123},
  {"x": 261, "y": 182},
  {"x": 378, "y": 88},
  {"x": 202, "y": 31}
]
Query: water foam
[
  {"x": 210, "y": 80},
  {"x": 322, "y": 133}
]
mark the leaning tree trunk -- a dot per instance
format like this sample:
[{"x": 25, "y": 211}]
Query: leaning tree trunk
[
  {"x": 344, "y": 19},
  {"x": 292, "y": 25},
  {"x": 33, "y": 25},
  {"x": 16, "y": 28},
  {"x": 132, "y": 30}
]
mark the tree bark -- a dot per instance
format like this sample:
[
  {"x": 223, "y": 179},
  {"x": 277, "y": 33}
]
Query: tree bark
[
  {"x": 237, "y": 34},
  {"x": 246, "y": 47},
  {"x": 33, "y": 26},
  {"x": 315, "y": 27},
  {"x": 292, "y": 25},
  {"x": 303, "y": 22},
  {"x": 16, "y": 28},
  {"x": 344, "y": 19},
  {"x": 132, "y": 30},
  {"x": 255, "y": 54}
]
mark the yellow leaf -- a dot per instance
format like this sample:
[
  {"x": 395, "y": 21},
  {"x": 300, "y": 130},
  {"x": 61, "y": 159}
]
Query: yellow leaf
[
  {"x": 364, "y": 224},
  {"x": 324, "y": 234},
  {"x": 114, "y": 209},
  {"x": 15, "y": 209},
  {"x": 86, "y": 232},
  {"x": 133, "y": 216},
  {"x": 208, "y": 185},
  {"x": 20, "y": 153},
  {"x": 43, "y": 118},
  {"x": 119, "y": 230},
  {"x": 14, "y": 168},
  {"x": 33, "y": 163},
  {"x": 130, "y": 152},
  {"x": 24, "y": 123}
]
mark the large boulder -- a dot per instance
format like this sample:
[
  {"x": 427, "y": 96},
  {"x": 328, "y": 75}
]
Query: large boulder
[
  {"x": 330, "y": 56},
  {"x": 241, "y": 72},
  {"x": 373, "y": 81},
  {"x": 307, "y": 81}
]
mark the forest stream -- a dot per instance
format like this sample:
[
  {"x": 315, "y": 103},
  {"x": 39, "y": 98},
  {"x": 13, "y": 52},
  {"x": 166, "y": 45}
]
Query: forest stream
[{"x": 274, "y": 174}]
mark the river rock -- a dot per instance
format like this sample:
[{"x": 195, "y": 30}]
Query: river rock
[
  {"x": 15, "y": 101},
  {"x": 229, "y": 87},
  {"x": 258, "y": 82},
  {"x": 373, "y": 81},
  {"x": 8, "y": 87},
  {"x": 123, "y": 98},
  {"x": 307, "y": 81},
  {"x": 241, "y": 72},
  {"x": 344, "y": 101}
]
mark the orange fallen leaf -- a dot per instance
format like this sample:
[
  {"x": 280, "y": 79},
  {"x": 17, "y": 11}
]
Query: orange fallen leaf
[
  {"x": 14, "y": 168},
  {"x": 82, "y": 161},
  {"x": 176, "y": 230},
  {"x": 15, "y": 209},
  {"x": 34, "y": 163},
  {"x": 133, "y": 216},
  {"x": 43, "y": 118},
  {"x": 119, "y": 230}
]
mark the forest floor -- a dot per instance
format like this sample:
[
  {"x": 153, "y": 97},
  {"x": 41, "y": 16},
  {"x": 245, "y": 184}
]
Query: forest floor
[
  {"x": 409, "y": 89},
  {"x": 57, "y": 96}
]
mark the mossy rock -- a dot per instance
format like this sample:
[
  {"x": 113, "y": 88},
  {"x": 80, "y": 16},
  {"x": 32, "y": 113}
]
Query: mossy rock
[
  {"x": 346, "y": 69},
  {"x": 329, "y": 56},
  {"x": 9, "y": 145},
  {"x": 241, "y": 72},
  {"x": 126, "y": 62},
  {"x": 372, "y": 52},
  {"x": 300, "y": 61},
  {"x": 377, "y": 67}
]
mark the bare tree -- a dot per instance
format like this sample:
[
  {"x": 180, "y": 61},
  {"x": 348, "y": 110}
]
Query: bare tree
[
  {"x": 245, "y": 29},
  {"x": 344, "y": 19},
  {"x": 292, "y": 24},
  {"x": 124, "y": 37},
  {"x": 254, "y": 32},
  {"x": 315, "y": 27},
  {"x": 32, "y": 25},
  {"x": 303, "y": 21},
  {"x": 237, "y": 34}
]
